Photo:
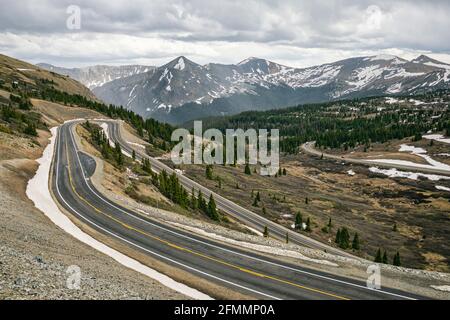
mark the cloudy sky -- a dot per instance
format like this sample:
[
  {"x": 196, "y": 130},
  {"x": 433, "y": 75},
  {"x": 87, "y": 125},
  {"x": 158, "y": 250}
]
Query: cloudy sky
[{"x": 296, "y": 33}]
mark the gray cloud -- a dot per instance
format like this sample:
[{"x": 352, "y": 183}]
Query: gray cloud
[{"x": 152, "y": 30}]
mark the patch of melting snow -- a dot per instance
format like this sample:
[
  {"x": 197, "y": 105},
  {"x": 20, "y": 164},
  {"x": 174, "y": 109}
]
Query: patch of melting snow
[
  {"x": 259, "y": 233},
  {"x": 437, "y": 137},
  {"x": 38, "y": 192},
  {"x": 257, "y": 247},
  {"x": 441, "y": 288},
  {"x": 442, "y": 188},
  {"x": 412, "y": 149},
  {"x": 433, "y": 164},
  {"x": 136, "y": 144},
  {"x": 105, "y": 129},
  {"x": 351, "y": 172},
  {"x": 391, "y": 100},
  {"x": 394, "y": 173}
]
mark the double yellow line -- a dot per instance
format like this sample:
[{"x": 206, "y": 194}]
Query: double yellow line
[{"x": 175, "y": 246}]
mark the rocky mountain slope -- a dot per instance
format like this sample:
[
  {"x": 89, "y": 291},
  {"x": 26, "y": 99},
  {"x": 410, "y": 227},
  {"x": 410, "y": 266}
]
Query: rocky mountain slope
[
  {"x": 29, "y": 78},
  {"x": 182, "y": 90},
  {"x": 96, "y": 76}
]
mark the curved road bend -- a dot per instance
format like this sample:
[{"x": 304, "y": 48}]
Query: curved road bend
[
  {"x": 247, "y": 217},
  {"x": 308, "y": 147},
  {"x": 249, "y": 273}
]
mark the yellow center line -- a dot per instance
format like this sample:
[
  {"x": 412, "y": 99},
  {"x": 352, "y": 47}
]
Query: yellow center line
[{"x": 175, "y": 246}]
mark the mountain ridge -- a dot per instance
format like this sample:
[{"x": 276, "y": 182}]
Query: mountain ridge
[
  {"x": 97, "y": 75},
  {"x": 181, "y": 89}
]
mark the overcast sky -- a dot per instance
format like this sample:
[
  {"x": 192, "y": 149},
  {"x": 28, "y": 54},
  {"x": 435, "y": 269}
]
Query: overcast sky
[{"x": 152, "y": 32}]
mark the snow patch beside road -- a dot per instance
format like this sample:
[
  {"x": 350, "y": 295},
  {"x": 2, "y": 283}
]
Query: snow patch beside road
[
  {"x": 442, "y": 288},
  {"x": 437, "y": 137},
  {"x": 433, "y": 164},
  {"x": 394, "y": 173},
  {"x": 38, "y": 192}
]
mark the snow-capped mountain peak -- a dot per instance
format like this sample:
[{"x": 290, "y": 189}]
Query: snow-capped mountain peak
[
  {"x": 254, "y": 83},
  {"x": 96, "y": 76}
]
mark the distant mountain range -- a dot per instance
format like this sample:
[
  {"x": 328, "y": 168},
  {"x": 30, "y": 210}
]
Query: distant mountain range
[
  {"x": 182, "y": 90},
  {"x": 96, "y": 76}
]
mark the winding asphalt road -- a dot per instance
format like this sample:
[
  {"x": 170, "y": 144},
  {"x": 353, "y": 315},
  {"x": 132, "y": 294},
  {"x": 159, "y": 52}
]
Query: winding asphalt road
[
  {"x": 239, "y": 270},
  {"x": 309, "y": 148},
  {"x": 245, "y": 216}
]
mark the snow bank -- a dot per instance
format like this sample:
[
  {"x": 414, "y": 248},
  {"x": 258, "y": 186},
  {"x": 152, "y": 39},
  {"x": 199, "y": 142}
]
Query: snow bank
[
  {"x": 257, "y": 247},
  {"x": 38, "y": 192},
  {"x": 412, "y": 149},
  {"x": 433, "y": 164},
  {"x": 421, "y": 153},
  {"x": 136, "y": 144},
  {"x": 405, "y": 163},
  {"x": 257, "y": 232},
  {"x": 442, "y": 288},
  {"x": 394, "y": 173},
  {"x": 105, "y": 129},
  {"x": 437, "y": 137},
  {"x": 442, "y": 188},
  {"x": 391, "y": 100}
]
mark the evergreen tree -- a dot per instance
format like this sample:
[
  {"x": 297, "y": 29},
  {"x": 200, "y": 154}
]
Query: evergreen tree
[
  {"x": 355, "y": 242},
  {"x": 133, "y": 155},
  {"x": 287, "y": 237},
  {"x": 284, "y": 172},
  {"x": 378, "y": 258},
  {"x": 212, "y": 210},
  {"x": 30, "y": 130},
  {"x": 329, "y": 225},
  {"x": 338, "y": 236},
  {"x": 201, "y": 202},
  {"x": 146, "y": 166},
  {"x": 194, "y": 204},
  {"x": 394, "y": 228},
  {"x": 298, "y": 221},
  {"x": 308, "y": 225},
  {"x": 396, "y": 261},
  {"x": 385, "y": 257},
  {"x": 118, "y": 154},
  {"x": 258, "y": 196},
  {"x": 344, "y": 241},
  {"x": 209, "y": 172},
  {"x": 266, "y": 232},
  {"x": 247, "y": 169}
]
